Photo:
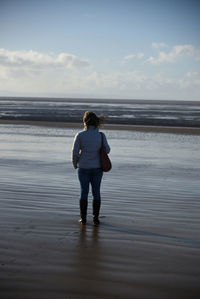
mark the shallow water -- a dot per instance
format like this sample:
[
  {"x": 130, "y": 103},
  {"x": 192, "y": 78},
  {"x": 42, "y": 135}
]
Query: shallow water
[
  {"x": 154, "y": 174},
  {"x": 149, "y": 237}
]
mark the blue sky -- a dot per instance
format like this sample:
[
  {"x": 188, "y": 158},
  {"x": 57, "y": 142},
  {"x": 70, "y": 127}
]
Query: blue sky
[{"x": 147, "y": 49}]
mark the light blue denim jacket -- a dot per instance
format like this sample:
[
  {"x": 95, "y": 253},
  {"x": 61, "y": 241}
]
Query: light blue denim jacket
[{"x": 86, "y": 148}]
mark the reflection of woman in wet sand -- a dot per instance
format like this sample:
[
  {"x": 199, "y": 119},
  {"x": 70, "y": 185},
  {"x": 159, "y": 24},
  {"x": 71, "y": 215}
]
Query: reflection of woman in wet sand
[{"x": 86, "y": 157}]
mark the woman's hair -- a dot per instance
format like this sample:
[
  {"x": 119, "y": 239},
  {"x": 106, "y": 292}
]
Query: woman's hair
[{"x": 91, "y": 119}]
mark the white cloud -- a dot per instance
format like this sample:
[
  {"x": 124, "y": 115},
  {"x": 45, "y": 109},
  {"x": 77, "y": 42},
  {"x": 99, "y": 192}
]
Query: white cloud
[
  {"x": 37, "y": 73},
  {"x": 192, "y": 74},
  {"x": 177, "y": 52},
  {"x": 134, "y": 84},
  {"x": 37, "y": 61},
  {"x": 188, "y": 84},
  {"x": 70, "y": 61},
  {"x": 159, "y": 45},
  {"x": 134, "y": 56}
]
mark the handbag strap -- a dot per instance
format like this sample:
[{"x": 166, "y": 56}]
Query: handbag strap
[{"x": 101, "y": 140}]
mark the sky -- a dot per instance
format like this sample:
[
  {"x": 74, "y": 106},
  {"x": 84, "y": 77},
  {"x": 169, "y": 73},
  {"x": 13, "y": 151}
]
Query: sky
[{"x": 126, "y": 49}]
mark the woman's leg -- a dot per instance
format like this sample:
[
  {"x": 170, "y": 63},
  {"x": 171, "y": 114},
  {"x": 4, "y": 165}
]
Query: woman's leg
[
  {"x": 84, "y": 179},
  {"x": 96, "y": 178}
]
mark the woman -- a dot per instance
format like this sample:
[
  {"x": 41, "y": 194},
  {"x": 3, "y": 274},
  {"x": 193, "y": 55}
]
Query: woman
[{"x": 86, "y": 157}]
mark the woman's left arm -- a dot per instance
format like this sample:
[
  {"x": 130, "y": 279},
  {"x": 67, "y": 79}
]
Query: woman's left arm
[{"x": 75, "y": 151}]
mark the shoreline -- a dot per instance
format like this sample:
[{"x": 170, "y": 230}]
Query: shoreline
[
  {"x": 141, "y": 128},
  {"x": 100, "y": 100}
]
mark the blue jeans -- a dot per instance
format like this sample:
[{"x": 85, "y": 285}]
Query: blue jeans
[{"x": 89, "y": 176}]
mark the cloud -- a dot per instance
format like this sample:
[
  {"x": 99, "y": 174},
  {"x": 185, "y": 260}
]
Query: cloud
[
  {"x": 70, "y": 61},
  {"x": 192, "y": 74},
  {"x": 39, "y": 61},
  {"x": 134, "y": 56},
  {"x": 113, "y": 84},
  {"x": 32, "y": 72},
  {"x": 159, "y": 45},
  {"x": 177, "y": 52}
]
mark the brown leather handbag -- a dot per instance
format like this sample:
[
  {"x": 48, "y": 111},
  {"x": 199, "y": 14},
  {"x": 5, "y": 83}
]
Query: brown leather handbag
[{"x": 106, "y": 164}]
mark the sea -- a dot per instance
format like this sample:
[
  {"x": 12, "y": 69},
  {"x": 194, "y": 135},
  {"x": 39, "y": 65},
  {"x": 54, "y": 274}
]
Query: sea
[{"x": 131, "y": 112}]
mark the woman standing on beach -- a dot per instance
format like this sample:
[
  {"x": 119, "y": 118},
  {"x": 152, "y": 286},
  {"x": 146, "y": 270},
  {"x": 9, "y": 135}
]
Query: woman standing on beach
[{"x": 86, "y": 157}]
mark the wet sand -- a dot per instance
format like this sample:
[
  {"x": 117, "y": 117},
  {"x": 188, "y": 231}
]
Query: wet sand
[
  {"x": 147, "y": 245},
  {"x": 47, "y": 255},
  {"x": 158, "y": 129}
]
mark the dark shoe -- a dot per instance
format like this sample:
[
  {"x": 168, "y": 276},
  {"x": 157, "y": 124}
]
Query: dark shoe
[
  {"x": 96, "y": 221},
  {"x": 83, "y": 211},
  {"x": 82, "y": 221},
  {"x": 96, "y": 209}
]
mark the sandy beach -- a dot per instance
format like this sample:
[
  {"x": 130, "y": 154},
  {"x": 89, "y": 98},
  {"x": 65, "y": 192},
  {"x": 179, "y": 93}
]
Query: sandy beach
[{"x": 148, "y": 243}]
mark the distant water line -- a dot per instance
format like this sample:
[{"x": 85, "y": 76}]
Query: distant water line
[{"x": 152, "y": 113}]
